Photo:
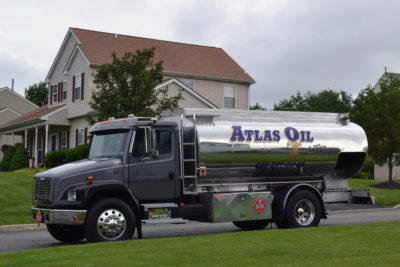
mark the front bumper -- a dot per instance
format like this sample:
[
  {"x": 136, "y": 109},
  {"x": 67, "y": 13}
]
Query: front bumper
[{"x": 68, "y": 217}]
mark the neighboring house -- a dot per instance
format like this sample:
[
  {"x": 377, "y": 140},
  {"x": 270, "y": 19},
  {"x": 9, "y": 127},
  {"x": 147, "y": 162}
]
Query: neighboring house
[
  {"x": 12, "y": 106},
  {"x": 382, "y": 172},
  {"x": 208, "y": 77}
]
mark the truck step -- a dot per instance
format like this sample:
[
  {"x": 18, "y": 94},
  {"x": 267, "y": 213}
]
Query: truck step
[
  {"x": 166, "y": 220},
  {"x": 159, "y": 205}
]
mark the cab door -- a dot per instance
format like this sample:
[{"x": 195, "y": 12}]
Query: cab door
[{"x": 152, "y": 165}]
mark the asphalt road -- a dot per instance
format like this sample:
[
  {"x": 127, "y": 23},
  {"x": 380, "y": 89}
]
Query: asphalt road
[{"x": 16, "y": 241}]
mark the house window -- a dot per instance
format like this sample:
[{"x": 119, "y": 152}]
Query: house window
[
  {"x": 229, "y": 96},
  {"x": 54, "y": 93},
  {"x": 81, "y": 136},
  {"x": 77, "y": 86},
  {"x": 188, "y": 83},
  {"x": 63, "y": 140},
  {"x": 64, "y": 90}
]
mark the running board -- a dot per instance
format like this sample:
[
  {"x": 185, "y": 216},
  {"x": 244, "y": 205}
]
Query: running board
[{"x": 166, "y": 220}]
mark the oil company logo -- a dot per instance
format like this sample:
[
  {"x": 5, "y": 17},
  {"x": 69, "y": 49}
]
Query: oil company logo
[
  {"x": 260, "y": 205},
  {"x": 266, "y": 136}
]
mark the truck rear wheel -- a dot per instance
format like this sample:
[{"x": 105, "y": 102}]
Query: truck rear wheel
[
  {"x": 303, "y": 210},
  {"x": 110, "y": 219},
  {"x": 251, "y": 225},
  {"x": 66, "y": 233}
]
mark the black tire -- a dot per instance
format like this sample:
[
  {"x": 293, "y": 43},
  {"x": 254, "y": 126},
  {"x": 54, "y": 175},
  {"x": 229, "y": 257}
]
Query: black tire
[
  {"x": 303, "y": 210},
  {"x": 110, "y": 219},
  {"x": 66, "y": 233},
  {"x": 251, "y": 225}
]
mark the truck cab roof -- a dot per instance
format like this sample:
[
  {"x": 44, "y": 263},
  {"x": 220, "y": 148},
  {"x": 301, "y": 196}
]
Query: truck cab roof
[{"x": 128, "y": 123}]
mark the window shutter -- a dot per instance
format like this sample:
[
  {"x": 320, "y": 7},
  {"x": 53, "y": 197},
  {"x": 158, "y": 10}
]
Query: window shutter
[
  {"x": 59, "y": 140},
  {"x": 51, "y": 94},
  {"x": 76, "y": 138},
  {"x": 59, "y": 92},
  {"x": 82, "y": 85},
  {"x": 67, "y": 139},
  {"x": 62, "y": 91},
  {"x": 73, "y": 88},
  {"x": 85, "y": 135}
]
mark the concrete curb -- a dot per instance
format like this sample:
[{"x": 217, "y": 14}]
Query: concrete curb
[{"x": 21, "y": 228}]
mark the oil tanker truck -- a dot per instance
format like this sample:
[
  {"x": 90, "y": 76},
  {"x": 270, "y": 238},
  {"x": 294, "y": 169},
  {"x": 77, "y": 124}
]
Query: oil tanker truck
[{"x": 251, "y": 168}]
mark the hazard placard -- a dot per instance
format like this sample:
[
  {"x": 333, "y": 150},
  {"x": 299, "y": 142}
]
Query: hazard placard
[{"x": 260, "y": 205}]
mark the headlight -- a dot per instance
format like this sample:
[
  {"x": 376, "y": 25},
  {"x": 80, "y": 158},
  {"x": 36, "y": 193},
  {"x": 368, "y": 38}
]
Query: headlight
[{"x": 72, "y": 195}]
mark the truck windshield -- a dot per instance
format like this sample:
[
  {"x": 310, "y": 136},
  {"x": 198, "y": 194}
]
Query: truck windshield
[{"x": 108, "y": 145}]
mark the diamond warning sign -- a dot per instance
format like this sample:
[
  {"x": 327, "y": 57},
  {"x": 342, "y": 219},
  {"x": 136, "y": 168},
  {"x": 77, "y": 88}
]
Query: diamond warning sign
[{"x": 260, "y": 205}]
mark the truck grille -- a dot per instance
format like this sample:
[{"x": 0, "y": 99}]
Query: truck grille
[{"x": 42, "y": 190}]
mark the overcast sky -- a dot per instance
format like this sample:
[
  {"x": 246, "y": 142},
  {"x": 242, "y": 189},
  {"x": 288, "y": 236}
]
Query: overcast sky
[{"x": 285, "y": 46}]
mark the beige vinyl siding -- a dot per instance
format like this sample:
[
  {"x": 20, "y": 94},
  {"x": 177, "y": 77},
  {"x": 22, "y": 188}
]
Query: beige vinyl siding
[
  {"x": 59, "y": 118},
  {"x": 58, "y": 73},
  {"x": 79, "y": 107},
  {"x": 214, "y": 91},
  {"x": 9, "y": 99},
  {"x": 189, "y": 101},
  {"x": 77, "y": 124},
  {"x": 7, "y": 115}
]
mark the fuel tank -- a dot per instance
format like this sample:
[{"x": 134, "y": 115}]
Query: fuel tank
[{"x": 274, "y": 143}]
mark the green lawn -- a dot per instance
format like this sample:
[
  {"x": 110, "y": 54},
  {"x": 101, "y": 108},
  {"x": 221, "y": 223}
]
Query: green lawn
[
  {"x": 357, "y": 245},
  {"x": 384, "y": 197},
  {"x": 16, "y": 196}
]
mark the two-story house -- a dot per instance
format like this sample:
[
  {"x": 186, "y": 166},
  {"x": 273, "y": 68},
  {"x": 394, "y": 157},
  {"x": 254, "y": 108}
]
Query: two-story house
[{"x": 208, "y": 77}]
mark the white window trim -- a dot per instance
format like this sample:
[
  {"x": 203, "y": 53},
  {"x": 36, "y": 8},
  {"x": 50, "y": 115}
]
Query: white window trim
[
  {"x": 83, "y": 136},
  {"x": 54, "y": 93},
  {"x": 223, "y": 95},
  {"x": 80, "y": 86}
]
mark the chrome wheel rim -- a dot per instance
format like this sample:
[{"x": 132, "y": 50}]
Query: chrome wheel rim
[
  {"x": 111, "y": 224},
  {"x": 304, "y": 212}
]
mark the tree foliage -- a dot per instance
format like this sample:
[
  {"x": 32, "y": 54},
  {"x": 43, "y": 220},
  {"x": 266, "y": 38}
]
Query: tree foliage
[
  {"x": 257, "y": 106},
  {"x": 37, "y": 93},
  {"x": 127, "y": 86},
  {"x": 379, "y": 114},
  {"x": 20, "y": 158},
  {"x": 324, "y": 101}
]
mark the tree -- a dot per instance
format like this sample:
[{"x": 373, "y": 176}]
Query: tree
[
  {"x": 37, "y": 93},
  {"x": 324, "y": 101},
  {"x": 379, "y": 115},
  {"x": 257, "y": 106},
  {"x": 127, "y": 86}
]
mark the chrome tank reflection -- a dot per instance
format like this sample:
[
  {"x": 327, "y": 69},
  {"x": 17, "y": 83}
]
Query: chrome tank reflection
[{"x": 306, "y": 143}]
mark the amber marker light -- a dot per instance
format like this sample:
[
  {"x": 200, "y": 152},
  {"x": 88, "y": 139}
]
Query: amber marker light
[{"x": 89, "y": 180}]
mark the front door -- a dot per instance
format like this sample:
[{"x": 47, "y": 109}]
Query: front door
[{"x": 152, "y": 165}]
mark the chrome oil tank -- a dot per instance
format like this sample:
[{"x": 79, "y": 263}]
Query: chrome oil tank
[{"x": 274, "y": 143}]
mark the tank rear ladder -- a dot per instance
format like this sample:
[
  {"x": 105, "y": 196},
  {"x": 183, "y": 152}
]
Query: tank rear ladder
[{"x": 189, "y": 161}]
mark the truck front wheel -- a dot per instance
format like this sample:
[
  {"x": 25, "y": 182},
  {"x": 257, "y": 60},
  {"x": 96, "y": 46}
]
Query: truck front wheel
[
  {"x": 66, "y": 233},
  {"x": 109, "y": 219},
  {"x": 303, "y": 210},
  {"x": 251, "y": 225}
]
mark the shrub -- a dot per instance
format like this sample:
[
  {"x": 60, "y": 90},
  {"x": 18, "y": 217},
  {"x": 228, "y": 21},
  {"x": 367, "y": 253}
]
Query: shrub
[
  {"x": 368, "y": 171},
  {"x": 59, "y": 157},
  {"x": 56, "y": 158},
  {"x": 6, "y": 162},
  {"x": 20, "y": 158}
]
